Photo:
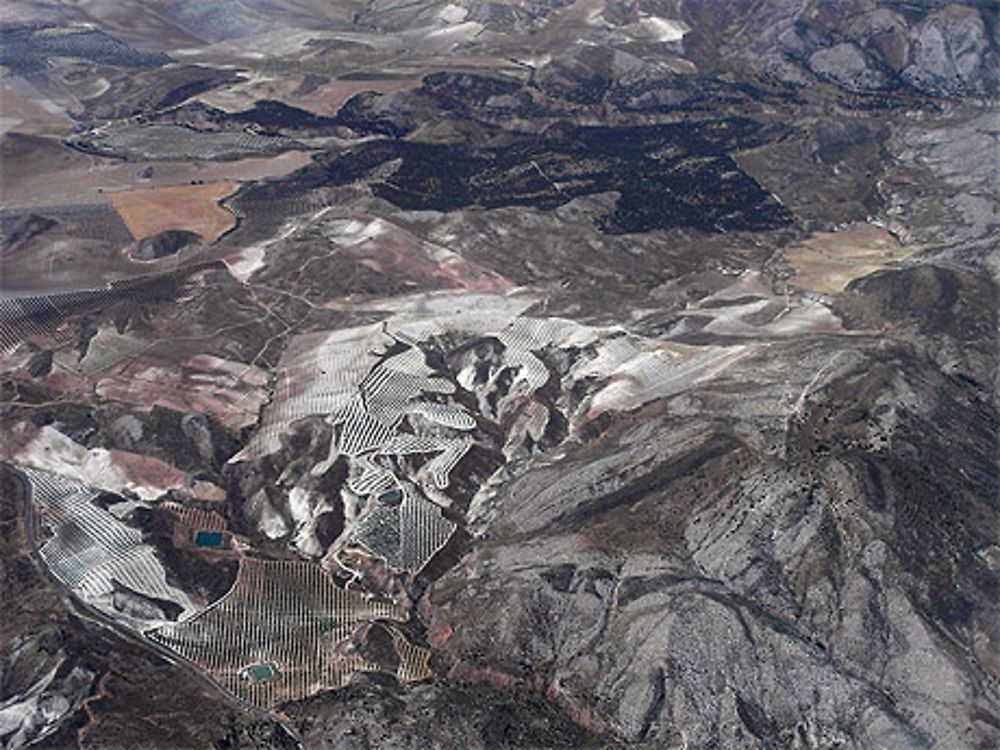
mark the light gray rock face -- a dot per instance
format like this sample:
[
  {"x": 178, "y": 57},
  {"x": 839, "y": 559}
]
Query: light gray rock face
[
  {"x": 886, "y": 32},
  {"x": 847, "y": 66},
  {"x": 41, "y": 687},
  {"x": 699, "y": 590},
  {"x": 938, "y": 49},
  {"x": 950, "y": 194},
  {"x": 951, "y": 54}
]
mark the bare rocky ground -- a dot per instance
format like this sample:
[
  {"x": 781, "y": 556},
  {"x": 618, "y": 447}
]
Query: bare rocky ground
[{"x": 796, "y": 546}]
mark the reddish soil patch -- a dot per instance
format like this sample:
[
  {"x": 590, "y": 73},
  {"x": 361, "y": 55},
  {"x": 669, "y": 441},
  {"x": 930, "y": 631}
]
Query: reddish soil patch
[
  {"x": 389, "y": 249},
  {"x": 231, "y": 391},
  {"x": 145, "y": 470}
]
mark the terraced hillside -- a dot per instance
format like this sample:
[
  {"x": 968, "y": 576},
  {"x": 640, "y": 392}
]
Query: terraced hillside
[{"x": 281, "y": 634}]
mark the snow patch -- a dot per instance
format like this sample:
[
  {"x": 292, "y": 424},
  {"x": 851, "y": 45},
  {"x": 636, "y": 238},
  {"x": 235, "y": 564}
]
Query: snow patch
[
  {"x": 460, "y": 32},
  {"x": 54, "y": 452},
  {"x": 246, "y": 263},
  {"x": 452, "y": 13},
  {"x": 664, "y": 29}
]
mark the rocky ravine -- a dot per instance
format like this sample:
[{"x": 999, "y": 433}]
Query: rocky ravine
[{"x": 799, "y": 564}]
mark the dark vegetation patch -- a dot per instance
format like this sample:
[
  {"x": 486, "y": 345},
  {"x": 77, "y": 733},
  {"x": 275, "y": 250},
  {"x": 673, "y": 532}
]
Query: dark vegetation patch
[
  {"x": 28, "y": 49},
  {"x": 274, "y": 115},
  {"x": 164, "y": 244},
  {"x": 675, "y": 92},
  {"x": 456, "y": 90},
  {"x": 466, "y": 96},
  {"x": 185, "y": 91},
  {"x": 127, "y": 601},
  {"x": 672, "y": 175},
  {"x": 40, "y": 363},
  {"x": 18, "y": 229},
  {"x": 377, "y": 709},
  {"x": 191, "y": 570},
  {"x": 362, "y": 113},
  {"x": 668, "y": 175}
]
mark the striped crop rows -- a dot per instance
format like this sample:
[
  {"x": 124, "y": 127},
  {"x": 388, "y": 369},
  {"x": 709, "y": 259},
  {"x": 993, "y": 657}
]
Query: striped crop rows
[
  {"x": 174, "y": 142},
  {"x": 92, "y": 552},
  {"x": 414, "y": 661},
  {"x": 38, "y": 314},
  {"x": 285, "y": 613},
  {"x": 406, "y": 535},
  {"x": 192, "y": 520},
  {"x": 23, "y": 317},
  {"x": 395, "y": 413}
]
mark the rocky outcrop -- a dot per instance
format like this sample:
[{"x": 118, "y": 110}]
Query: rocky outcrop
[
  {"x": 862, "y": 48},
  {"x": 951, "y": 53},
  {"x": 375, "y": 712},
  {"x": 166, "y": 243},
  {"x": 697, "y": 590},
  {"x": 848, "y": 67},
  {"x": 41, "y": 688}
]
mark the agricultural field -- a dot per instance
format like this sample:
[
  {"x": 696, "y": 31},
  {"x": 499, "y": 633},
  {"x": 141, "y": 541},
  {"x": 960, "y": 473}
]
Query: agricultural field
[
  {"x": 401, "y": 431},
  {"x": 281, "y": 634},
  {"x": 168, "y": 142},
  {"x": 29, "y": 50},
  {"x": 101, "y": 559},
  {"x": 193, "y": 208},
  {"x": 828, "y": 262},
  {"x": 281, "y": 631},
  {"x": 52, "y": 184}
]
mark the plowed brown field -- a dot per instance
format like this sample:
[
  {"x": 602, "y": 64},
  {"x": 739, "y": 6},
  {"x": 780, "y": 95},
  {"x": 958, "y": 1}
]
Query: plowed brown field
[
  {"x": 192, "y": 207},
  {"x": 828, "y": 261}
]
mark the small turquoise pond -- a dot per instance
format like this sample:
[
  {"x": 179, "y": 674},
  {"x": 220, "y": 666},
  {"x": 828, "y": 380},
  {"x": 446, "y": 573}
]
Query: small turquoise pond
[
  {"x": 392, "y": 497},
  {"x": 208, "y": 539},
  {"x": 260, "y": 672}
]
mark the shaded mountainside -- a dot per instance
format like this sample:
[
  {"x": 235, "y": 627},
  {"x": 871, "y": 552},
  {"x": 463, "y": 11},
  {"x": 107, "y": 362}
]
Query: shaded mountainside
[
  {"x": 861, "y": 569},
  {"x": 69, "y": 680}
]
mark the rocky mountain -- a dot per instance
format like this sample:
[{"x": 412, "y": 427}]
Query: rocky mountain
[{"x": 500, "y": 375}]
